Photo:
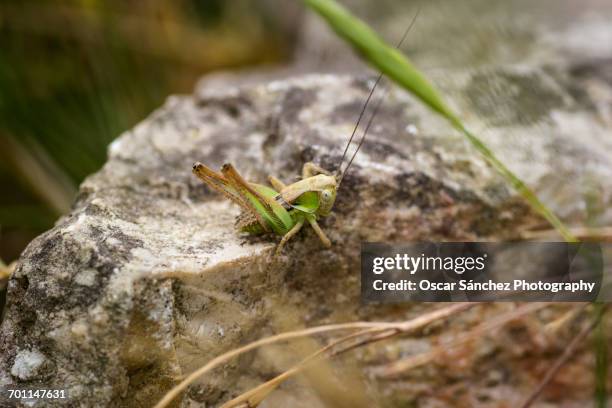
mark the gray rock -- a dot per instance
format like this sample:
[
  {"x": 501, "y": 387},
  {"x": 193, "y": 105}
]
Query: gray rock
[{"x": 147, "y": 279}]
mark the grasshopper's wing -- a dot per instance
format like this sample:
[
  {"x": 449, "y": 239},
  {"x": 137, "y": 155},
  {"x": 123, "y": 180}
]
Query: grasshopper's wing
[
  {"x": 220, "y": 184},
  {"x": 274, "y": 213}
]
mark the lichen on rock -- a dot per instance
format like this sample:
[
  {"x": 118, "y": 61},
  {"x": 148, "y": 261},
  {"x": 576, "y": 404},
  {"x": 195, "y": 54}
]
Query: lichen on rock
[{"x": 27, "y": 364}]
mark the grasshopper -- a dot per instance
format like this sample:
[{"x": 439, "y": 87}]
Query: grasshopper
[{"x": 284, "y": 209}]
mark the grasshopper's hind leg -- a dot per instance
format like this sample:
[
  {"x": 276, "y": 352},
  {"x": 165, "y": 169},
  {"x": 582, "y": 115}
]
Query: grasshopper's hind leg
[
  {"x": 294, "y": 230},
  {"x": 315, "y": 226}
]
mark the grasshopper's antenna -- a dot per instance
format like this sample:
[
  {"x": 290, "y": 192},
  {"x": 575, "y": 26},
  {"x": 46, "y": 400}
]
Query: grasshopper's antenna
[
  {"x": 339, "y": 171},
  {"x": 363, "y": 109},
  {"x": 365, "y": 132}
]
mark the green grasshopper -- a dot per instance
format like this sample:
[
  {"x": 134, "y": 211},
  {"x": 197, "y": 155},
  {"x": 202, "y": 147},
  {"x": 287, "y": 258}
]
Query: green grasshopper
[{"x": 284, "y": 209}]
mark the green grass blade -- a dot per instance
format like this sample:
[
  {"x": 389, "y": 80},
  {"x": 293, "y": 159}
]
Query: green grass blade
[
  {"x": 601, "y": 357},
  {"x": 518, "y": 185},
  {"x": 398, "y": 67},
  {"x": 387, "y": 59}
]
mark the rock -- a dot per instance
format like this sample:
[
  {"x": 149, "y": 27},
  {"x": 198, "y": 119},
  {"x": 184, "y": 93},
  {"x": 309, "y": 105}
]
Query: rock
[{"x": 147, "y": 279}]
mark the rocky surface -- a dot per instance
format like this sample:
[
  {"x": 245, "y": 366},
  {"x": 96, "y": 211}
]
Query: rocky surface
[{"x": 146, "y": 278}]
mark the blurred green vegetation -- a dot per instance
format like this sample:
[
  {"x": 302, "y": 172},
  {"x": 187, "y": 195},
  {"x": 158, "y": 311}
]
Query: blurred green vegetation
[{"x": 74, "y": 74}]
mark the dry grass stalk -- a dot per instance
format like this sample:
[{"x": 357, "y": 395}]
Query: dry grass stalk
[
  {"x": 5, "y": 273},
  {"x": 401, "y": 366},
  {"x": 40, "y": 172},
  {"x": 599, "y": 234},
  {"x": 556, "y": 325},
  {"x": 255, "y": 396},
  {"x": 396, "y": 328},
  {"x": 568, "y": 353}
]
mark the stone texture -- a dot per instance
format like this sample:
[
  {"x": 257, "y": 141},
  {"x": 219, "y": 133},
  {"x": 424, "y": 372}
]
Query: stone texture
[{"x": 146, "y": 278}]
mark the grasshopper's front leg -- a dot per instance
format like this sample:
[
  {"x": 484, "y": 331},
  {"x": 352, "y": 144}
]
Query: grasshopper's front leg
[
  {"x": 294, "y": 230},
  {"x": 297, "y": 227},
  {"x": 315, "y": 226},
  {"x": 310, "y": 169}
]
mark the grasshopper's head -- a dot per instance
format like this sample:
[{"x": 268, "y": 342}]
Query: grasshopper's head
[
  {"x": 327, "y": 196},
  {"x": 324, "y": 186}
]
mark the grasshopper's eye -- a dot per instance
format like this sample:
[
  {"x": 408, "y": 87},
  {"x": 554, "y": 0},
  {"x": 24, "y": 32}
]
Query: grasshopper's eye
[{"x": 327, "y": 197}]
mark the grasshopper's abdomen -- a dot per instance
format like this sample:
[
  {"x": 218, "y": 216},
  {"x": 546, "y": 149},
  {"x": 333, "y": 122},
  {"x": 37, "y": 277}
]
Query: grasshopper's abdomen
[{"x": 246, "y": 222}]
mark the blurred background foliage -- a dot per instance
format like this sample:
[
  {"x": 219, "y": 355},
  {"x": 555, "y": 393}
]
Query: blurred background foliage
[{"x": 74, "y": 74}]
